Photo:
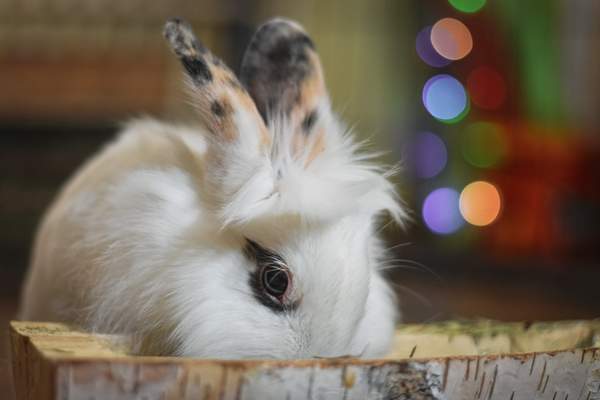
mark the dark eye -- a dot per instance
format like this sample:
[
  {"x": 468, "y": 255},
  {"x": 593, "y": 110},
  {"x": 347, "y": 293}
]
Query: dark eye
[
  {"x": 272, "y": 281},
  {"x": 275, "y": 280}
]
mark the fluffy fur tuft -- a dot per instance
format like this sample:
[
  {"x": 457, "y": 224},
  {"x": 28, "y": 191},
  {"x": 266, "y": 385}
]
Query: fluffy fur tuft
[{"x": 148, "y": 238}]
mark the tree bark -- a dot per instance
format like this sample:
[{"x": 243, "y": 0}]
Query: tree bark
[{"x": 454, "y": 360}]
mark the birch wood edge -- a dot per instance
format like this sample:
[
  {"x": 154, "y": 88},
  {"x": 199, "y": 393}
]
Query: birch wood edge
[{"x": 454, "y": 360}]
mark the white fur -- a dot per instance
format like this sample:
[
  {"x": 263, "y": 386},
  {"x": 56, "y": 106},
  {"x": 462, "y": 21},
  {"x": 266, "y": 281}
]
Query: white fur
[
  {"x": 147, "y": 238},
  {"x": 135, "y": 245}
]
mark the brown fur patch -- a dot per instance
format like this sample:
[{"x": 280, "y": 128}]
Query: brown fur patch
[
  {"x": 311, "y": 92},
  {"x": 318, "y": 146},
  {"x": 312, "y": 89},
  {"x": 312, "y": 145},
  {"x": 216, "y": 89}
]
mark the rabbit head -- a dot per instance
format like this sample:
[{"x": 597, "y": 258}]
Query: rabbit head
[{"x": 295, "y": 205}]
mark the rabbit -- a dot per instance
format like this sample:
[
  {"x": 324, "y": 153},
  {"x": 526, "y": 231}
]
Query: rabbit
[{"x": 251, "y": 235}]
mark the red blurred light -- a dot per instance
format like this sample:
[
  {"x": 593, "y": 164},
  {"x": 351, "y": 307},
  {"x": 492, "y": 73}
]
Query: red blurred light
[{"x": 486, "y": 88}]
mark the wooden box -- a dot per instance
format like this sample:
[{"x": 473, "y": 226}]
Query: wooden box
[{"x": 453, "y": 360}]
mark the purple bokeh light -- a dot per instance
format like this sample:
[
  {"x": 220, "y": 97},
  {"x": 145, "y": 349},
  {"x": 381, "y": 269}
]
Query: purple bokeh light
[
  {"x": 427, "y": 155},
  {"x": 441, "y": 211},
  {"x": 426, "y": 51}
]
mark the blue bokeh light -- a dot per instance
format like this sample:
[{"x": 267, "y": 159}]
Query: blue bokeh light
[{"x": 444, "y": 97}]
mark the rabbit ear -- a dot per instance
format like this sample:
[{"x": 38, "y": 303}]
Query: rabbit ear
[
  {"x": 283, "y": 74},
  {"x": 237, "y": 171},
  {"x": 217, "y": 94}
]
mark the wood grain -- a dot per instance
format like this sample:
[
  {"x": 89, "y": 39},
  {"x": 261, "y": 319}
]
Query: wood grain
[{"x": 457, "y": 360}]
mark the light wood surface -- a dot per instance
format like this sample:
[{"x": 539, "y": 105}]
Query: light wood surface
[{"x": 453, "y": 360}]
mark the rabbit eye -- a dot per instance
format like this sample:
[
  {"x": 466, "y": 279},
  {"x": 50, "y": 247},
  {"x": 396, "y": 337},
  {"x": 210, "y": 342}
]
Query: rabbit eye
[
  {"x": 275, "y": 280},
  {"x": 271, "y": 281}
]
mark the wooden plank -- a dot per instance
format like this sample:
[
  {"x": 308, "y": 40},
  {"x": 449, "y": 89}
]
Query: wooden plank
[
  {"x": 32, "y": 373},
  {"x": 456, "y": 338},
  {"x": 66, "y": 363}
]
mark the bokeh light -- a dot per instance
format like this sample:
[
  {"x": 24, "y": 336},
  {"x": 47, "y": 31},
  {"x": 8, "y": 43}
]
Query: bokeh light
[
  {"x": 426, "y": 51},
  {"x": 460, "y": 116},
  {"x": 480, "y": 203},
  {"x": 467, "y": 6},
  {"x": 444, "y": 97},
  {"x": 427, "y": 155},
  {"x": 486, "y": 88},
  {"x": 483, "y": 144},
  {"x": 451, "y": 39},
  {"x": 441, "y": 211}
]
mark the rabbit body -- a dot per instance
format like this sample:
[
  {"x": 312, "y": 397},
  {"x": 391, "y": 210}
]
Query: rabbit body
[{"x": 166, "y": 234}]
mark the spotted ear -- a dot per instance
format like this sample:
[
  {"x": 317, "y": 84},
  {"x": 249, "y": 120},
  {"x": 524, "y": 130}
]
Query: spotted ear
[
  {"x": 221, "y": 100},
  {"x": 283, "y": 74},
  {"x": 237, "y": 175}
]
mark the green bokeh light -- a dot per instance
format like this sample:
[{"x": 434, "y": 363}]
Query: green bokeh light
[
  {"x": 467, "y": 6},
  {"x": 483, "y": 144}
]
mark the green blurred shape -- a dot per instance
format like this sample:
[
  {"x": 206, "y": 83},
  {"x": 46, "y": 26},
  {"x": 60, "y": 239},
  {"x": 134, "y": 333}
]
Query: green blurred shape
[
  {"x": 467, "y": 6},
  {"x": 532, "y": 30},
  {"x": 483, "y": 144}
]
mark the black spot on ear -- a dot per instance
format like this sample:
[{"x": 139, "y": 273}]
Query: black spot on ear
[
  {"x": 190, "y": 51},
  {"x": 309, "y": 121},
  {"x": 275, "y": 66},
  {"x": 289, "y": 55},
  {"x": 181, "y": 38},
  {"x": 217, "y": 109},
  {"x": 197, "y": 69}
]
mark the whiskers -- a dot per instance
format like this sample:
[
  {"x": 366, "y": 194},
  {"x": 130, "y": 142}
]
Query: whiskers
[
  {"x": 384, "y": 226},
  {"x": 406, "y": 264},
  {"x": 421, "y": 298},
  {"x": 402, "y": 244}
]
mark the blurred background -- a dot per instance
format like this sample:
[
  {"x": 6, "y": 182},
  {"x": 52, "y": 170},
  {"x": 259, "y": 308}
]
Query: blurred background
[{"x": 493, "y": 108}]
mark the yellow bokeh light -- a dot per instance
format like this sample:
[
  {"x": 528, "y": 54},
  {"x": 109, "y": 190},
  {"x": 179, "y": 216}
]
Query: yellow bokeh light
[{"x": 480, "y": 203}]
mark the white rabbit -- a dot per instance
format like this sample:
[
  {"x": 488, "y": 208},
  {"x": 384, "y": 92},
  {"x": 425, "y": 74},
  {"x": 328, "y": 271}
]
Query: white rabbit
[{"x": 253, "y": 236}]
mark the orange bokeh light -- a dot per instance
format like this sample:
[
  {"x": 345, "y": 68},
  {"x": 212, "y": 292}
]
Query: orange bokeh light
[
  {"x": 480, "y": 203},
  {"x": 451, "y": 39}
]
